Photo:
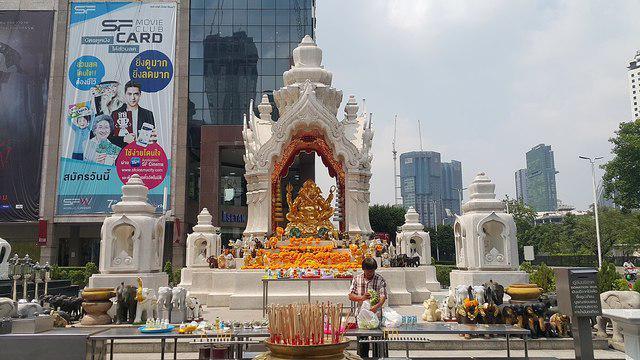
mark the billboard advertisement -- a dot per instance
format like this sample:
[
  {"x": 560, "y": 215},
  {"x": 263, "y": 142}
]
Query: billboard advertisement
[
  {"x": 25, "y": 55},
  {"x": 118, "y": 107}
]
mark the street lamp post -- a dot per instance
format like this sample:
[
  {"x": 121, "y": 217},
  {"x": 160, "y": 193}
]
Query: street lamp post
[
  {"x": 460, "y": 190},
  {"x": 595, "y": 203}
]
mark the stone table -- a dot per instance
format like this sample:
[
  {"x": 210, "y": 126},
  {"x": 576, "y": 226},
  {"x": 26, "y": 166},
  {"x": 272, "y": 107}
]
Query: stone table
[{"x": 629, "y": 320}]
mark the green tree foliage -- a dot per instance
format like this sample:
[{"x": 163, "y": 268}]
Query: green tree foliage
[
  {"x": 607, "y": 277},
  {"x": 576, "y": 235},
  {"x": 621, "y": 180},
  {"x": 443, "y": 274},
  {"x": 386, "y": 218},
  {"x": 442, "y": 241},
  {"x": 636, "y": 286}
]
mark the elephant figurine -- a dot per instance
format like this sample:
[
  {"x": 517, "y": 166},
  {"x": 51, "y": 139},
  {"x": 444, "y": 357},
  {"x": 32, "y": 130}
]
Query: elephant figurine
[
  {"x": 616, "y": 300},
  {"x": 147, "y": 308},
  {"x": 8, "y": 308},
  {"x": 164, "y": 301},
  {"x": 179, "y": 298},
  {"x": 126, "y": 308},
  {"x": 193, "y": 308},
  {"x": 28, "y": 310}
]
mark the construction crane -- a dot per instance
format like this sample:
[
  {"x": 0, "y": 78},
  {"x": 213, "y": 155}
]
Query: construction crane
[{"x": 395, "y": 162}]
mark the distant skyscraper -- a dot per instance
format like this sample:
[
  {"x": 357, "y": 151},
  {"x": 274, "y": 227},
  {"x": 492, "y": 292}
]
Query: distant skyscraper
[
  {"x": 521, "y": 185},
  {"x": 634, "y": 84},
  {"x": 541, "y": 179},
  {"x": 451, "y": 183},
  {"x": 427, "y": 184}
]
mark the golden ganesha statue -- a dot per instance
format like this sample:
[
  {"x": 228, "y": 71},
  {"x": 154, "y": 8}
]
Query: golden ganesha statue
[{"x": 309, "y": 214}]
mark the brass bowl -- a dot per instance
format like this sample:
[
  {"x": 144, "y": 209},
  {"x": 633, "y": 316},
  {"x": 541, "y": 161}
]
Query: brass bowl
[
  {"x": 98, "y": 294},
  {"x": 524, "y": 291},
  {"x": 324, "y": 351}
]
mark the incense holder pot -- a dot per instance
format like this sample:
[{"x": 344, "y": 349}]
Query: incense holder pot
[
  {"x": 522, "y": 292},
  {"x": 324, "y": 352}
]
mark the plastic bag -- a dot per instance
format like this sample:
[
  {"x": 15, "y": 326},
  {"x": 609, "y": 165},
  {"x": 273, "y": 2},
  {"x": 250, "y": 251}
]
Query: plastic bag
[
  {"x": 391, "y": 318},
  {"x": 366, "y": 318}
]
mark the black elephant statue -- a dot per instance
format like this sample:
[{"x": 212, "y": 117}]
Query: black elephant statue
[{"x": 126, "y": 307}]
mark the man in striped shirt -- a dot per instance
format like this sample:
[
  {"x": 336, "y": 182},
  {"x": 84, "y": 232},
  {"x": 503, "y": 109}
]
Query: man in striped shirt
[{"x": 360, "y": 286}]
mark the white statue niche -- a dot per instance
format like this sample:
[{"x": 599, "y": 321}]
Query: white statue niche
[
  {"x": 203, "y": 242},
  {"x": 485, "y": 239},
  {"x": 413, "y": 240},
  {"x": 493, "y": 236},
  {"x": 132, "y": 241},
  {"x": 122, "y": 250}
]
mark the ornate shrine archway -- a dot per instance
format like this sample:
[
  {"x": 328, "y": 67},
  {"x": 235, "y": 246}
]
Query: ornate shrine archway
[{"x": 309, "y": 142}]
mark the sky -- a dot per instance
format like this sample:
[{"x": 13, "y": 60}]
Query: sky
[{"x": 488, "y": 80}]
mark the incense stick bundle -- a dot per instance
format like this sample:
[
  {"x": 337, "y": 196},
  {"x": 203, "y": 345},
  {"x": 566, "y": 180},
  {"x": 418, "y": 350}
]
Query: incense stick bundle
[{"x": 305, "y": 324}]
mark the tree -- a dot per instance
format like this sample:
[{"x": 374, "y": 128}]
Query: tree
[
  {"x": 442, "y": 241},
  {"x": 524, "y": 217},
  {"x": 621, "y": 180},
  {"x": 386, "y": 218}
]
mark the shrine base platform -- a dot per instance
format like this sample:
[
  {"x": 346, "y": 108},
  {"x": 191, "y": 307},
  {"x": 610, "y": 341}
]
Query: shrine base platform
[{"x": 242, "y": 289}]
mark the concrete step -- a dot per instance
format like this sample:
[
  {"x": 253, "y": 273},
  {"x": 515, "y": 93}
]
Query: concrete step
[{"x": 438, "y": 342}]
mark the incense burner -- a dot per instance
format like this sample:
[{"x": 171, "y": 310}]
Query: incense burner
[{"x": 323, "y": 351}]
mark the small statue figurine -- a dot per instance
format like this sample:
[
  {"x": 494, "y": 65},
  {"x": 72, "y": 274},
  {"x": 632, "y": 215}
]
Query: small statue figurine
[
  {"x": 385, "y": 260},
  {"x": 431, "y": 311},
  {"x": 230, "y": 261},
  {"x": 222, "y": 261}
]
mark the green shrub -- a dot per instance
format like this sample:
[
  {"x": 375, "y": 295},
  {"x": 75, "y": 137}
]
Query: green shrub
[
  {"x": 636, "y": 286},
  {"x": 442, "y": 274},
  {"x": 544, "y": 277},
  {"x": 527, "y": 267},
  {"x": 621, "y": 285},
  {"x": 78, "y": 277},
  {"x": 607, "y": 275},
  {"x": 177, "y": 276}
]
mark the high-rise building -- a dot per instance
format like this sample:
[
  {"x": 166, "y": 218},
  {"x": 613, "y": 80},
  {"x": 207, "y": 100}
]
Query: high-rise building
[
  {"x": 430, "y": 186},
  {"x": 541, "y": 179},
  {"x": 238, "y": 52},
  {"x": 634, "y": 84},
  {"x": 451, "y": 188},
  {"x": 521, "y": 186}
]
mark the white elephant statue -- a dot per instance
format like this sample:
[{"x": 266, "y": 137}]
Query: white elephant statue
[
  {"x": 448, "y": 306},
  {"x": 28, "y": 309},
  {"x": 193, "y": 308},
  {"x": 179, "y": 298},
  {"x": 8, "y": 308},
  {"x": 164, "y": 301},
  {"x": 478, "y": 293},
  {"x": 147, "y": 308},
  {"x": 616, "y": 300},
  {"x": 461, "y": 294}
]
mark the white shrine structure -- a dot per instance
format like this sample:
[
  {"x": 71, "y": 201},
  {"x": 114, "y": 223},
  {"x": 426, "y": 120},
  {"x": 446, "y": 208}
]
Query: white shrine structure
[
  {"x": 5, "y": 253},
  {"x": 131, "y": 241},
  {"x": 485, "y": 240},
  {"x": 308, "y": 122},
  {"x": 308, "y": 107},
  {"x": 203, "y": 242},
  {"x": 414, "y": 241}
]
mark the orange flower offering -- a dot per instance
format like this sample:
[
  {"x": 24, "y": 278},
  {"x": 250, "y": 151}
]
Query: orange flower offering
[
  {"x": 279, "y": 231},
  {"x": 303, "y": 253}
]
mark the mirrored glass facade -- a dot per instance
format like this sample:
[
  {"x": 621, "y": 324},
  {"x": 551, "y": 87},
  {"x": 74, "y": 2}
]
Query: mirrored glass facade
[{"x": 238, "y": 51}]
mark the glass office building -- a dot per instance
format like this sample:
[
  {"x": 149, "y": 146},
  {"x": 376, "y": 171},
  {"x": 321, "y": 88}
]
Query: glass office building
[{"x": 238, "y": 51}]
